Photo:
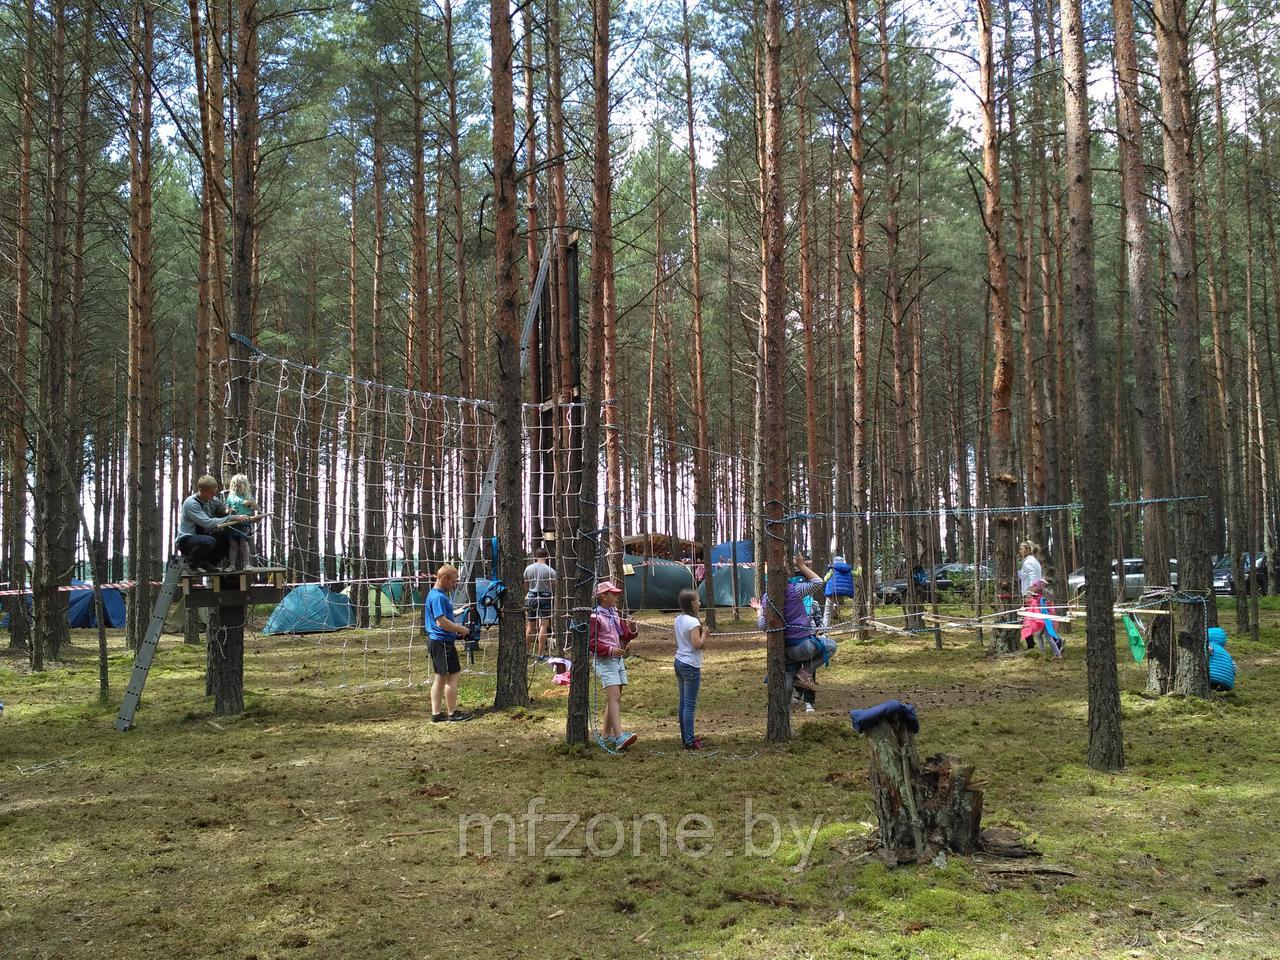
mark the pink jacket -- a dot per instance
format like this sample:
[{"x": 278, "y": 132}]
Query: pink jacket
[{"x": 608, "y": 631}]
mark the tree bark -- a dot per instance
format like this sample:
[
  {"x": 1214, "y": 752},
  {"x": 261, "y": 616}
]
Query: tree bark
[
  {"x": 921, "y": 808},
  {"x": 16, "y": 505},
  {"x": 513, "y": 679},
  {"x": 226, "y": 665},
  {"x": 1106, "y": 743},
  {"x": 1152, "y": 431},
  {"x": 53, "y": 469},
  {"x": 1002, "y": 481},
  {"x": 773, "y": 340},
  {"x": 702, "y": 497},
  {"x": 1191, "y": 666},
  {"x": 602, "y": 192},
  {"x": 213, "y": 156},
  {"x": 861, "y": 546}
]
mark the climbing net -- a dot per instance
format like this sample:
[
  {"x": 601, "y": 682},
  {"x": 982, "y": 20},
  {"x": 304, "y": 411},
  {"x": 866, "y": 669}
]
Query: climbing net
[{"x": 368, "y": 488}]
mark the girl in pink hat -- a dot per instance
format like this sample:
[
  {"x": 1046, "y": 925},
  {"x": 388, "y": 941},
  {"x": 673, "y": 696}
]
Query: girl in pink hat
[{"x": 610, "y": 636}]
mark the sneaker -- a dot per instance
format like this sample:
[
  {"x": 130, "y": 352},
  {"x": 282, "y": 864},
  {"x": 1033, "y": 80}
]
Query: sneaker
[
  {"x": 624, "y": 740},
  {"x": 696, "y": 744},
  {"x": 808, "y": 708},
  {"x": 804, "y": 679},
  {"x": 439, "y": 717},
  {"x": 459, "y": 717}
]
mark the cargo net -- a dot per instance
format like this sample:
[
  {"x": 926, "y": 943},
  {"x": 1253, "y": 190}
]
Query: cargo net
[{"x": 367, "y": 489}]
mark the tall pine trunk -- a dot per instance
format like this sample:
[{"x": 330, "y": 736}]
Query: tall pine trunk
[
  {"x": 702, "y": 497},
  {"x": 16, "y": 505},
  {"x": 1001, "y": 480},
  {"x": 1106, "y": 743},
  {"x": 1191, "y": 665},
  {"x": 1152, "y": 434},
  {"x": 513, "y": 680},
  {"x": 773, "y": 461}
]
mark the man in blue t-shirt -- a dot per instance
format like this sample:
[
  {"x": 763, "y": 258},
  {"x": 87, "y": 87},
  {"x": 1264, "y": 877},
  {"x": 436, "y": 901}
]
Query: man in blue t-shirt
[{"x": 442, "y": 629}]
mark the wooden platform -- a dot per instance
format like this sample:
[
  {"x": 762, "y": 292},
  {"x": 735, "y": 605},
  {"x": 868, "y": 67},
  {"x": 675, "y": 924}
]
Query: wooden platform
[{"x": 233, "y": 588}]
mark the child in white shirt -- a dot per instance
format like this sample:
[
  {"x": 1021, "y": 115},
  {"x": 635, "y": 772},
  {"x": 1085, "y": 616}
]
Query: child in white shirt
[{"x": 690, "y": 636}]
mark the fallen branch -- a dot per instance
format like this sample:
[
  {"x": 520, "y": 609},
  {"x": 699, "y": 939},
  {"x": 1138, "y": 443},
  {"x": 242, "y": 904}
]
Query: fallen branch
[
  {"x": 770, "y": 899},
  {"x": 1030, "y": 868},
  {"x": 416, "y": 833}
]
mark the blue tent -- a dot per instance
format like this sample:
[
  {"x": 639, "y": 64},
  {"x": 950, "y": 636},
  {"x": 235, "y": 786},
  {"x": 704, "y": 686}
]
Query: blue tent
[
  {"x": 311, "y": 608},
  {"x": 9, "y": 604},
  {"x": 736, "y": 551},
  {"x": 83, "y": 612}
]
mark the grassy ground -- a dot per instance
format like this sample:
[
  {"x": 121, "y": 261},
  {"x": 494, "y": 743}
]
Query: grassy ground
[{"x": 324, "y": 822}]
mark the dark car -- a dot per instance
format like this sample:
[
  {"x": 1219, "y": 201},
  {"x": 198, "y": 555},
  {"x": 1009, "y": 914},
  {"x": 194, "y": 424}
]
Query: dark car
[
  {"x": 946, "y": 577},
  {"x": 1224, "y": 582}
]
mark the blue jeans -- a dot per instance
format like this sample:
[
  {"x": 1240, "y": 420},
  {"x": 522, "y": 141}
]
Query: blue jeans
[
  {"x": 689, "y": 679},
  {"x": 814, "y": 647}
]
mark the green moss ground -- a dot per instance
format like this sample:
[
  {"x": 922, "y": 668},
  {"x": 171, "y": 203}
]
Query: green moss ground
[{"x": 325, "y": 821}]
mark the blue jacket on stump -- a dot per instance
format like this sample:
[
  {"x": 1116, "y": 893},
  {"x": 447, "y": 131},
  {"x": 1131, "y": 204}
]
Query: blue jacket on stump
[{"x": 840, "y": 582}]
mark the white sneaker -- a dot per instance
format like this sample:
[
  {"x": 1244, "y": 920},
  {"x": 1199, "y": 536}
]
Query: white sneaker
[{"x": 808, "y": 708}]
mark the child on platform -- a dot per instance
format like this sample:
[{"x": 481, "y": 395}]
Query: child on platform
[
  {"x": 240, "y": 503},
  {"x": 690, "y": 637}
]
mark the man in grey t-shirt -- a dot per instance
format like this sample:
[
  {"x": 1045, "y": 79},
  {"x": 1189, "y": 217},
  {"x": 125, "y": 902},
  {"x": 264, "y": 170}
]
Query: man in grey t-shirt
[
  {"x": 202, "y": 537},
  {"x": 539, "y": 584}
]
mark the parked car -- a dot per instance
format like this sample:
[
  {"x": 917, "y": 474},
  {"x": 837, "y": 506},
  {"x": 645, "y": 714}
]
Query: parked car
[
  {"x": 1224, "y": 582},
  {"x": 1135, "y": 579},
  {"x": 946, "y": 576}
]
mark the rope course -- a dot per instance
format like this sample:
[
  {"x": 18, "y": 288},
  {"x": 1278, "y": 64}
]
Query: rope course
[{"x": 370, "y": 486}]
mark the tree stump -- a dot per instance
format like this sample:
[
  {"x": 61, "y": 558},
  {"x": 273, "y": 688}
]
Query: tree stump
[{"x": 922, "y": 808}]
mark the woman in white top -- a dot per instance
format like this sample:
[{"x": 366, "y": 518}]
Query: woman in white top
[{"x": 1029, "y": 572}]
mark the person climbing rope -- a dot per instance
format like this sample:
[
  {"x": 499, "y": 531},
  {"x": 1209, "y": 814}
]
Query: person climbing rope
[{"x": 804, "y": 646}]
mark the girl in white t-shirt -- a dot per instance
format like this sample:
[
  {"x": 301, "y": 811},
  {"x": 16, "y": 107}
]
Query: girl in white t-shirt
[{"x": 690, "y": 636}]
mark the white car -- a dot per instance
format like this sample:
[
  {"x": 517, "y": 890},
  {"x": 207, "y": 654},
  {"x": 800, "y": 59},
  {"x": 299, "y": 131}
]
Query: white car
[{"x": 1135, "y": 580}]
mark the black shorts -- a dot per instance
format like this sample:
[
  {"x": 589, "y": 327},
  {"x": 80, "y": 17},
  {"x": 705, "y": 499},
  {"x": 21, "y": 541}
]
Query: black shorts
[{"x": 444, "y": 657}]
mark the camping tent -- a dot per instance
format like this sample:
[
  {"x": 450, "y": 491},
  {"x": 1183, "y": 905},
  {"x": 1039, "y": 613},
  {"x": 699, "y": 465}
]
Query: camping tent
[
  {"x": 653, "y": 584},
  {"x": 722, "y": 573},
  {"x": 311, "y": 608},
  {"x": 81, "y": 612},
  {"x": 739, "y": 551},
  {"x": 176, "y": 620},
  {"x": 9, "y": 604},
  {"x": 404, "y": 593},
  {"x": 386, "y": 605}
]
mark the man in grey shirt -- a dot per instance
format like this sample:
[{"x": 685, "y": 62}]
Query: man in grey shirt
[
  {"x": 201, "y": 537},
  {"x": 539, "y": 582}
]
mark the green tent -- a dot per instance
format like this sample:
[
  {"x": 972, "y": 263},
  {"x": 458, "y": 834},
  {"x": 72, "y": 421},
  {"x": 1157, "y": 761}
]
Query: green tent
[
  {"x": 175, "y": 622},
  {"x": 653, "y": 584},
  {"x": 404, "y": 594},
  {"x": 722, "y": 573},
  {"x": 377, "y": 600}
]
